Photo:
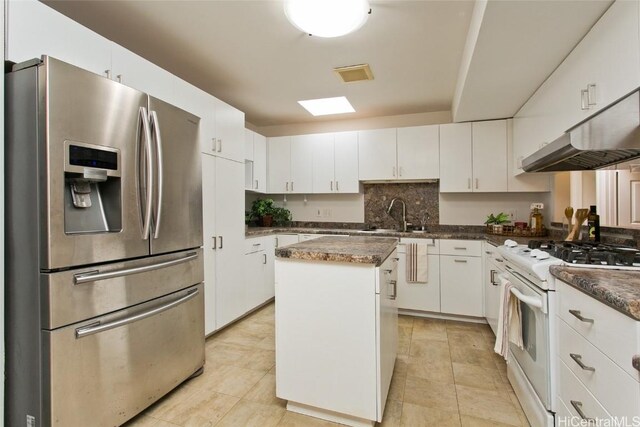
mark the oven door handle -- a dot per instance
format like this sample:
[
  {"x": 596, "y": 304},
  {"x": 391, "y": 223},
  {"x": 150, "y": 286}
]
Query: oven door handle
[{"x": 530, "y": 301}]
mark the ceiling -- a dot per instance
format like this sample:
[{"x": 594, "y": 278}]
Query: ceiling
[{"x": 247, "y": 54}]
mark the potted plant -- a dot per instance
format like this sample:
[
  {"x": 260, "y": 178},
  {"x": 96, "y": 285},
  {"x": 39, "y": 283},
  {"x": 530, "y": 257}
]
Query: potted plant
[
  {"x": 262, "y": 211},
  {"x": 495, "y": 222},
  {"x": 281, "y": 216}
]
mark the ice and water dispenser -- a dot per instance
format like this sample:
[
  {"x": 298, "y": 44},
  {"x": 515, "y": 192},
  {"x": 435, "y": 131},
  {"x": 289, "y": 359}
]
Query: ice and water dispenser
[{"x": 92, "y": 196}]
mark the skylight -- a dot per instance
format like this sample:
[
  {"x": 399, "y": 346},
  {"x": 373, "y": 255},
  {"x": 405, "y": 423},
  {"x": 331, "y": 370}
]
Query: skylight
[{"x": 326, "y": 106}]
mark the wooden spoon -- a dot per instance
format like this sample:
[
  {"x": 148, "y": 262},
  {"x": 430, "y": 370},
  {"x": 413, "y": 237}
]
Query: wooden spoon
[
  {"x": 568, "y": 213},
  {"x": 581, "y": 216}
]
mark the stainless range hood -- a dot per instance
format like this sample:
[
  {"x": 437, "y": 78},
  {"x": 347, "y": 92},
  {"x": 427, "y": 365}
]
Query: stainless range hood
[{"x": 608, "y": 137}]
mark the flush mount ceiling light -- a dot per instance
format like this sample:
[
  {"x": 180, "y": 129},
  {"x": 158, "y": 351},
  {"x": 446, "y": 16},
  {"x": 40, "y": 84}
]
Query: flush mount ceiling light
[
  {"x": 326, "y": 106},
  {"x": 327, "y": 18}
]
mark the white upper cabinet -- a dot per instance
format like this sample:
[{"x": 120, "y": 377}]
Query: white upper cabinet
[
  {"x": 525, "y": 182},
  {"x": 346, "y": 162},
  {"x": 377, "y": 154},
  {"x": 301, "y": 181},
  {"x": 489, "y": 156},
  {"x": 260, "y": 162},
  {"x": 229, "y": 134},
  {"x": 248, "y": 144},
  {"x": 279, "y": 164},
  {"x": 335, "y": 163},
  {"x": 418, "y": 152},
  {"x": 456, "y": 165},
  {"x": 603, "y": 67},
  {"x": 34, "y": 29}
]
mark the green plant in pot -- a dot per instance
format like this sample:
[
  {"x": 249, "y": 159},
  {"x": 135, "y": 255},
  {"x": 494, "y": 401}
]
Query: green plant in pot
[
  {"x": 264, "y": 211},
  {"x": 496, "y": 221},
  {"x": 281, "y": 216}
]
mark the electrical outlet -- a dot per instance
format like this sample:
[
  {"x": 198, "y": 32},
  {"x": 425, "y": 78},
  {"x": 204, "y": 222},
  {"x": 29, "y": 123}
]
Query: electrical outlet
[
  {"x": 537, "y": 205},
  {"x": 512, "y": 214},
  {"x": 326, "y": 212}
]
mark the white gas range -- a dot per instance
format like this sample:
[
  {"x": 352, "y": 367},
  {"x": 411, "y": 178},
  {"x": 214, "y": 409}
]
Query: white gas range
[{"x": 531, "y": 370}]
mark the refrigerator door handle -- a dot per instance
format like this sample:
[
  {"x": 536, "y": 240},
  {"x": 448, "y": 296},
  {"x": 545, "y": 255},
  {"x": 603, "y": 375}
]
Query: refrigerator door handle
[
  {"x": 95, "y": 275},
  {"x": 95, "y": 328},
  {"x": 146, "y": 220},
  {"x": 158, "y": 140}
]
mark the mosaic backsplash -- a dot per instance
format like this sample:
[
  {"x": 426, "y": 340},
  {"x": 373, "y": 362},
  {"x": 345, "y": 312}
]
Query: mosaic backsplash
[{"x": 421, "y": 200}]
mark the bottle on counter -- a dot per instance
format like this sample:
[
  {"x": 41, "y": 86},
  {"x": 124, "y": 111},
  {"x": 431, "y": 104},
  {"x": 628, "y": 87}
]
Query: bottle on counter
[
  {"x": 535, "y": 220},
  {"x": 593, "y": 224}
]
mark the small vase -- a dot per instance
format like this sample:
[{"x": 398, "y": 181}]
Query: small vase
[{"x": 267, "y": 221}]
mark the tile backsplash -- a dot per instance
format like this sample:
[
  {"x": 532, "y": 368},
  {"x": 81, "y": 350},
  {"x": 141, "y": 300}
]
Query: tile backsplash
[{"x": 421, "y": 200}]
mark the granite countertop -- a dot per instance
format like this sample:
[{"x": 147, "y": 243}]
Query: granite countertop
[
  {"x": 358, "y": 249},
  {"x": 619, "y": 289}
]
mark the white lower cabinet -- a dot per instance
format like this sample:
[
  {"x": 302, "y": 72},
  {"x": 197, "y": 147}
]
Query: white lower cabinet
[
  {"x": 286, "y": 240},
  {"x": 419, "y": 296},
  {"x": 461, "y": 278},
  {"x": 258, "y": 271}
]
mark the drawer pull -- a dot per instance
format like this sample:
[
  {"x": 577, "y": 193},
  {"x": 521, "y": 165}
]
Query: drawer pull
[
  {"x": 577, "y": 405},
  {"x": 578, "y": 315},
  {"x": 578, "y": 359},
  {"x": 459, "y": 248},
  {"x": 460, "y": 260}
]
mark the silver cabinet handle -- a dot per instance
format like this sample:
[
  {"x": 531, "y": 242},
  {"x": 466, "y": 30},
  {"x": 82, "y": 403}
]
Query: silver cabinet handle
[
  {"x": 95, "y": 275},
  {"x": 119, "y": 77},
  {"x": 107, "y": 73},
  {"x": 460, "y": 260},
  {"x": 578, "y": 359},
  {"x": 394, "y": 283},
  {"x": 492, "y": 277},
  {"x": 331, "y": 185},
  {"x": 287, "y": 187},
  {"x": 219, "y": 145},
  {"x": 214, "y": 145},
  {"x": 213, "y": 238},
  {"x": 460, "y": 248},
  {"x": 337, "y": 185},
  {"x": 256, "y": 184},
  {"x": 257, "y": 244},
  {"x": 95, "y": 328},
  {"x": 477, "y": 183},
  {"x": 469, "y": 183},
  {"x": 578, "y": 314},
  {"x": 584, "y": 99},
  {"x": 146, "y": 227},
  {"x": 499, "y": 260},
  {"x": 264, "y": 259},
  {"x": 400, "y": 171},
  {"x": 577, "y": 405},
  {"x": 291, "y": 185},
  {"x": 394, "y": 171},
  {"x": 488, "y": 252},
  {"x": 158, "y": 139},
  {"x": 220, "y": 237},
  {"x": 591, "y": 94},
  {"x": 277, "y": 241}
]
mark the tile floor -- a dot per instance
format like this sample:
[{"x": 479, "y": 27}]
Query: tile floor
[{"x": 446, "y": 374}]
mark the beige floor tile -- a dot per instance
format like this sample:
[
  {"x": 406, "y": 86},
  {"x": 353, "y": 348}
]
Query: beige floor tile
[
  {"x": 429, "y": 329},
  {"x": 415, "y": 415},
  {"x": 252, "y": 414},
  {"x": 469, "y": 421},
  {"x": 144, "y": 420},
  {"x": 431, "y": 394},
  {"x": 265, "y": 392},
  {"x": 401, "y": 366},
  {"x": 471, "y": 356},
  {"x": 405, "y": 320},
  {"x": 292, "y": 419},
  {"x": 491, "y": 405},
  {"x": 222, "y": 353},
  {"x": 404, "y": 331},
  {"x": 437, "y": 370},
  {"x": 396, "y": 388},
  {"x": 404, "y": 345},
  {"x": 240, "y": 336},
  {"x": 468, "y": 339},
  {"x": 173, "y": 399},
  {"x": 392, "y": 414},
  {"x": 272, "y": 371},
  {"x": 258, "y": 360},
  {"x": 227, "y": 379},
  {"x": 432, "y": 350},
  {"x": 465, "y": 326},
  {"x": 478, "y": 377},
  {"x": 267, "y": 343},
  {"x": 203, "y": 408}
]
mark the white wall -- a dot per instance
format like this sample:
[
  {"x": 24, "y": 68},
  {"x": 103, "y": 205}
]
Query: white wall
[
  {"x": 473, "y": 208},
  {"x": 342, "y": 207},
  {"x": 418, "y": 119}
]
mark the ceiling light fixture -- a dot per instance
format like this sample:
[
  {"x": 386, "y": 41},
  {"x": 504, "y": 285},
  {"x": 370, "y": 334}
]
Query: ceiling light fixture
[
  {"x": 327, "y": 18},
  {"x": 326, "y": 106}
]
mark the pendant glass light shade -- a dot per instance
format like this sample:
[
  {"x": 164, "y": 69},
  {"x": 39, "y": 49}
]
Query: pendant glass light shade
[{"x": 327, "y": 18}]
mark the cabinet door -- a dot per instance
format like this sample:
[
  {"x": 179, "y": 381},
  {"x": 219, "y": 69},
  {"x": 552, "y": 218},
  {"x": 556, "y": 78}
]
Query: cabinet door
[
  {"x": 377, "y": 154},
  {"x": 628, "y": 199},
  {"x": 231, "y": 299},
  {"x": 461, "y": 285},
  {"x": 302, "y": 164},
  {"x": 209, "y": 233},
  {"x": 490, "y": 156},
  {"x": 419, "y": 152},
  {"x": 260, "y": 163},
  {"x": 248, "y": 144},
  {"x": 34, "y": 29},
  {"x": 268, "y": 289},
  {"x": 419, "y": 296},
  {"x": 286, "y": 240},
  {"x": 254, "y": 276},
  {"x": 346, "y": 162},
  {"x": 279, "y": 170},
  {"x": 323, "y": 163},
  {"x": 229, "y": 132},
  {"x": 525, "y": 182},
  {"x": 138, "y": 73},
  {"x": 455, "y": 158}
]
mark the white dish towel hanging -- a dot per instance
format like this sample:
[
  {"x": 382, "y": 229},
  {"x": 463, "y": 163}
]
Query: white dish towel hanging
[
  {"x": 417, "y": 263},
  {"x": 509, "y": 321}
]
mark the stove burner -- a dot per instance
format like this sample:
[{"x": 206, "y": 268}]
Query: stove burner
[{"x": 590, "y": 253}]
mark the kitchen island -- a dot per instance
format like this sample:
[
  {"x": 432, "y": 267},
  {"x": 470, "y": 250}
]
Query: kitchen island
[{"x": 336, "y": 327}]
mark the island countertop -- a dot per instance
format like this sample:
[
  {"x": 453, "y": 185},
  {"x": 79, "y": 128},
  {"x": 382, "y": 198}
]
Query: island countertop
[{"x": 355, "y": 249}]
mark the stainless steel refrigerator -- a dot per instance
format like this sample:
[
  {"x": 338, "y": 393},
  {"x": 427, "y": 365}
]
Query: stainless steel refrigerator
[{"x": 104, "y": 271}]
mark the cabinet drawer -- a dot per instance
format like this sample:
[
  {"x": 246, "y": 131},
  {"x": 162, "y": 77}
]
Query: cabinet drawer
[
  {"x": 286, "y": 240},
  {"x": 611, "y": 332},
  {"x": 613, "y": 387},
  {"x": 253, "y": 245},
  {"x": 461, "y": 247},
  {"x": 433, "y": 245},
  {"x": 575, "y": 395}
]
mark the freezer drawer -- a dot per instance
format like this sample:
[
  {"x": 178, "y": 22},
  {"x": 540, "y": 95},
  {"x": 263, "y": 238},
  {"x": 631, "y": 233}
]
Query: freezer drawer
[
  {"x": 106, "y": 370},
  {"x": 75, "y": 295}
]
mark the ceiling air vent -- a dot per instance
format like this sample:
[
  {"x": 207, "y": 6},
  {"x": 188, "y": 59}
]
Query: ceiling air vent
[{"x": 354, "y": 73}]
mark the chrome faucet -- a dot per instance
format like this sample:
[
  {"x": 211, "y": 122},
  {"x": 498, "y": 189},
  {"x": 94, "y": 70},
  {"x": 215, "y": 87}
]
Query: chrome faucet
[{"x": 404, "y": 212}]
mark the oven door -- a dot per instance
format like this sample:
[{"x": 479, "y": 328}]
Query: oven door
[{"x": 534, "y": 358}]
